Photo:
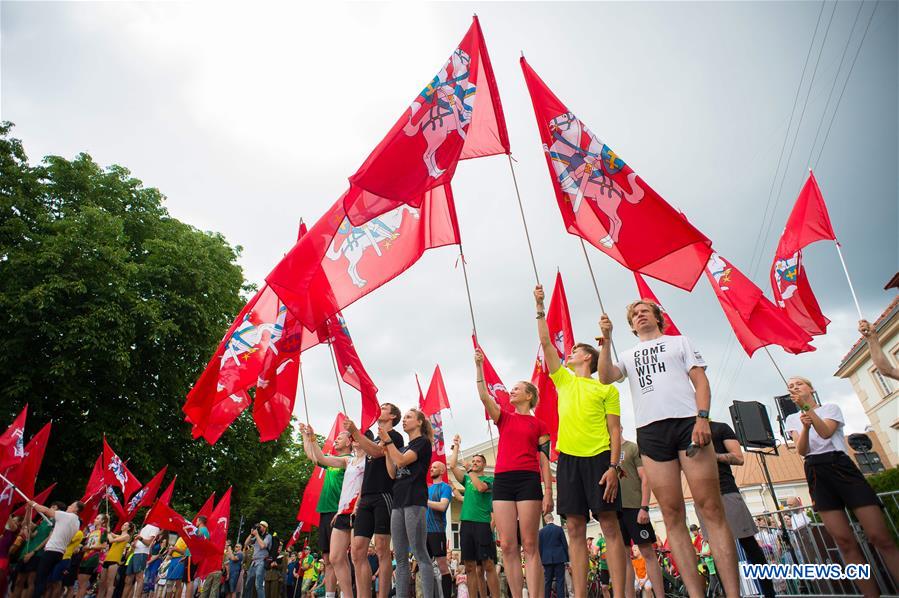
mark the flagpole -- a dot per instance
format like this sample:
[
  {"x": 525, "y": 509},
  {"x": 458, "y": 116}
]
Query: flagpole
[
  {"x": 849, "y": 280},
  {"x": 474, "y": 327},
  {"x": 527, "y": 235},
  {"x": 337, "y": 376},
  {"x": 596, "y": 288},
  {"x": 303, "y": 389},
  {"x": 22, "y": 494},
  {"x": 776, "y": 367}
]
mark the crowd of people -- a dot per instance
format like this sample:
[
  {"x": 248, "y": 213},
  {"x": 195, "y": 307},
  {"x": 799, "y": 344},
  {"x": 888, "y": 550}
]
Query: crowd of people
[{"x": 383, "y": 503}]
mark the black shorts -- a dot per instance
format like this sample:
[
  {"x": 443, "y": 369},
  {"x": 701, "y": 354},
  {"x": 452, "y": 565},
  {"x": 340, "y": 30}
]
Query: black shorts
[
  {"x": 29, "y": 566},
  {"x": 517, "y": 485},
  {"x": 324, "y": 532},
  {"x": 436, "y": 544},
  {"x": 476, "y": 541},
  {"x": 661, "y": 440},
  {"x": 835, "y": 483},
  {"x": 604, "y": 578},
  {"x": 343, "y": 522},
  {"x": 373, "y": 515},
  {"x": 577, "y": 483},
  {"x": 631, "y": 531}
]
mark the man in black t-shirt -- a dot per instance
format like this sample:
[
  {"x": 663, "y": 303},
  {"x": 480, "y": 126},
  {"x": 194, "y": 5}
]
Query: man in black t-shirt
[
  {"x": 372, "y": 519},
  {"x": 739, "y": 519}
]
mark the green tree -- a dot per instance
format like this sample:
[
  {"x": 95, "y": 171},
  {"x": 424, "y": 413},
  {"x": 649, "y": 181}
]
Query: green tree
[{"x": 110, "y": 310}]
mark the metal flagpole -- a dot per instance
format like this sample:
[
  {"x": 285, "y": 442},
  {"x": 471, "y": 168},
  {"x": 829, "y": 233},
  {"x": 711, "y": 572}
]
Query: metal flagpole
[
  {"x": 596, "y": 288},
  {"x": 22, "y": 494},
  {"x": 771, "y": 357},
  {"x": 337, "y": 375},
  {"x": 527, "y": 235},
  {"x": 849, "y": 280},
  {"x": 303, "y": 389},
  {"x": 474, "y": 327}
]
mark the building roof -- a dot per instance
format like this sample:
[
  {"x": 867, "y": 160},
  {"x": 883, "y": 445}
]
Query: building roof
[
  {"x": 888, "y": 314},
  {"x": 893, "y": 283}
]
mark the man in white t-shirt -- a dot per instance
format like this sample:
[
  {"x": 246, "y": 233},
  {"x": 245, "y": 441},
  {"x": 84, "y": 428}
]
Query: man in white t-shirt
[
  {"x": 671, "y": 397},
  {"x": 134, "y": 574},
  {"x": 65, "y": 526}
]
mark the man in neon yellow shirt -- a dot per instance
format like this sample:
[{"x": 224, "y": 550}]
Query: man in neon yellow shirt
[{"x": 589, "y": 445}]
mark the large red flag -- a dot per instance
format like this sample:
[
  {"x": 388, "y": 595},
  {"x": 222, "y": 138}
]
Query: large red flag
[
  {"x": 756, "y": 321},
  {"x": 218, "y": 535},
  {"x": 146, "y": 495},
  {"x": 25, "y": 474},
  {"x": 116, "y": 473},
  {"x": 12, "y": 443},
  {"x": 808, "y": 222},
  {"x": 93, "y": 493},
  {"x": 646, "y": 293},
  {"x": 457, "y": 115},
  {"x": 437, "y": 398},
  {"x": 603, "y": 200},
  {"x": 495, "y": 386},
  {"x": 337, "y": 263},
  {"x": 352, "y": 371},
  {"x": 558, "y": 320},
  {"x": 307, "y": 516}
]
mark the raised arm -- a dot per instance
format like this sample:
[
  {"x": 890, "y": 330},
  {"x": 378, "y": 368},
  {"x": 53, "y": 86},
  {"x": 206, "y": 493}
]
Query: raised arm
[
  {"x": 371, "y": 448},
  {"x": 493, "y": 409},
  {"x": 453, "y": 463},
  {"x": 881, "y": 361},
  {"x": 608, "y": 372},
  {"x": 550, "y": 353},
  {"x": 315, "y": 452}
]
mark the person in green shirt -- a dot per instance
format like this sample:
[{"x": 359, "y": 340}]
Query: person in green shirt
[
  {"x": 330, "y": 495},
  {"x": 476, "y": 528},
  {"x": 30, "y": 555},
  {"x": 589, "y": 447}
]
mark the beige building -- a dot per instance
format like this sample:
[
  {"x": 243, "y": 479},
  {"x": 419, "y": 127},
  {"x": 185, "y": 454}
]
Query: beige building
[{"x": 878, "y": 394}]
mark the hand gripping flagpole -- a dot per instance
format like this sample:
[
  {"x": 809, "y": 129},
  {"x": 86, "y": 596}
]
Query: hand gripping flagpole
[
  {"x": 337, "y": 376},
  {"x": 527, "y": 235},
  {"x": 849, "y": 280},
  {"x": 596, "y": 288},
  {"x": 22, "y": 494}
]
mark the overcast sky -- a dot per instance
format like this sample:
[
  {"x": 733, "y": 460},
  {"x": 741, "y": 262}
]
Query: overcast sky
[{"x": 249, "y": 116}]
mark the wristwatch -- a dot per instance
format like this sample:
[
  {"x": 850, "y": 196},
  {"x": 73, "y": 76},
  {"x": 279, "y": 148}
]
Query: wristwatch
[
  {"x": 644, "y": 508},
  {"x": 703, "y": 413}
]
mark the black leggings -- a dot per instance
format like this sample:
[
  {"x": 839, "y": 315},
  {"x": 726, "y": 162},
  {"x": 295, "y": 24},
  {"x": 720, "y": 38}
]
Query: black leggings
[{"x": 757, "y": 557}]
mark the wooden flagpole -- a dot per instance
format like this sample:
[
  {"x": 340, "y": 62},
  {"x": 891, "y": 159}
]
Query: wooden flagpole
[
  {"x": 596, "y": 288},
  {"x": 776, "y": 367},
  {"x": 849, "y": 280},
  {"x": 524, "y": 222},
  {"x": 337, "y": 376},
  {"x": 303, "y": 389}
]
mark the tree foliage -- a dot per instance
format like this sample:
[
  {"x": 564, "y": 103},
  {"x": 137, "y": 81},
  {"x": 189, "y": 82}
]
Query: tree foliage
[{"x": 109, "y": 310}]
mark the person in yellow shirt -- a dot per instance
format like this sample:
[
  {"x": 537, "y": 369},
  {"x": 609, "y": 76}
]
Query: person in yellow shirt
[
  {"x": 113, "y": 559},
  {"x": 589, "y": 446}
]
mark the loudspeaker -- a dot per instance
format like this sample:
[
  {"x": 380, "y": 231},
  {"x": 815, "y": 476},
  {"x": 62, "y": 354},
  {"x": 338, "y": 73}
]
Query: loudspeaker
[
  {"x": 752, "y": 425},
  {"x": 785, "y": 406}
]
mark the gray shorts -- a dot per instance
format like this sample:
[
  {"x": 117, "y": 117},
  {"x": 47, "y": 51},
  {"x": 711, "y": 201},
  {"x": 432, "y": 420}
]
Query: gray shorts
[{"x": 739, "y": 519}]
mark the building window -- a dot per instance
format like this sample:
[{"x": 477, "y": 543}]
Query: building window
[
  {"x": 884, "y": 384},
  {"x": 455, "y": 530}
]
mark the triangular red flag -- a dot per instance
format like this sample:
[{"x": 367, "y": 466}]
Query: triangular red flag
[
  {"x": 206, "y": 509},
  {"x": 117, "y": 474},
  {"x": 495, "y": 386},
  {"x": 352, "y": 371},
  {"x": 143, "y": 497},
  {"x": 12, "y": 443},
  {"x": 166, "y": 496},
  {"x": 165, "y": 517},
  {"x": 558, "y": 319},
  {"x": 644, "y": 292},
  {"x": 438, "y": 446},
  {"x": 437, "y": 398},
  {"x": 218, "y": 535},
  {"x": 808, "y": 222},
  {"x": 26, "y": 472},
  {"x": 761, "y": 325},
  {"x": 603, "y": 201},
  {"x": 457, "y": 115}
]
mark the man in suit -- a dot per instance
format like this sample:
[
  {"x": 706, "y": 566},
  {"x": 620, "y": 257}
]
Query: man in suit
[{"x": 554, "y": 556}]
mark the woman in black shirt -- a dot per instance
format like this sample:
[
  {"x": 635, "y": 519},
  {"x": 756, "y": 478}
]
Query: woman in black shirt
[{"x": 408, "y": 467}]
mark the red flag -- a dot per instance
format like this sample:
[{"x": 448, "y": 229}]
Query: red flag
[
  {"x": 218, "y": 535},
  {"x": 646, "y": 293},
  {"x": 294, "y": 537},
  {"x": 206, "y": 509},
  {"x": 26, "y": 473},
  {"x": 438, "y": 446},
  {"x": 443, "y": 125},
  {"x": 307, "y": 515},
  {"x": 558, "y": 320},
  {"x": 603, "y": 200},
  {"x": 495, "y": 386},
  {"x": 12, "y": 443},
  {"x": 808, "y": 222},
  {"x": 113, "y": 499},
  {"x": 756, "y": 321},
  {"x": 337, "y": 263},
  {"x": 116, "y": 473},
  {"x": 437, "y": 398},
  {"x": 93, "y": 493},
  {"x": 165, "y": 517},
  {"x": 166, "y": 496},
  {"x": 352, "y": 371},
  {"x": 146, "y": 495},
  {"x": 40, "y": 499}
]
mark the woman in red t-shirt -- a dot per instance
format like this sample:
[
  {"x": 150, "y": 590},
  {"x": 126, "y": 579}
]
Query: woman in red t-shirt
[{"x": 521, "y": 460}]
